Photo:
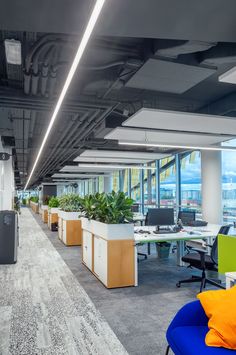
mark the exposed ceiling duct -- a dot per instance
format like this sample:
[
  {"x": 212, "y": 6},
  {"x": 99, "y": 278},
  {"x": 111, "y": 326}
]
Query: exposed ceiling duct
[
  {"x": 172, "y": 48},
  {"x": 224, "y": 53}
]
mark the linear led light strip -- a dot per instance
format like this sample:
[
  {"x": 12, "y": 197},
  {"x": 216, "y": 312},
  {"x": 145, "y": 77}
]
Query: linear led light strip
[
  {"x": 231, "y": 149},
  {"x": 87, "y": 34},
  {"x": 104, "y": 166}
]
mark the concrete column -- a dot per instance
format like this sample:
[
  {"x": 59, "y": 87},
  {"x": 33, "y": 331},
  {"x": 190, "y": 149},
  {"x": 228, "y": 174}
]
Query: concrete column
[{"x": 211, "y": 186}]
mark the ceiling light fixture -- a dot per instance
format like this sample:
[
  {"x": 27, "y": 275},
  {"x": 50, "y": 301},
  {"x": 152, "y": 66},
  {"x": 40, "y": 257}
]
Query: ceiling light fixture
[
  {"x": 86, "y": 36},
  {"x": 104, "y": 166},
  {"x": 13, "y": 51},
  {"x": 214, "y": 148},
  {"x": 229, "y": 76}
]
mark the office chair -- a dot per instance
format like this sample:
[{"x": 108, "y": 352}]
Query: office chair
[{"x": 201, "y": 261}]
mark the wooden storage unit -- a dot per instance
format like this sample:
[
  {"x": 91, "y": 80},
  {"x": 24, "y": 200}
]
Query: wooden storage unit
[
  {"x": 34, "y": 206},
  {"x": 110, "y": 257},
  {"x": 52, "y": 218},
  {"x": 44, "y": 209},
  {"x": 69, "y": 228}
]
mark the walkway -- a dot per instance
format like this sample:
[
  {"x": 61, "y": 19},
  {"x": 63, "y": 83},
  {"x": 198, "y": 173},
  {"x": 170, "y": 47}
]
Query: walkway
[{"x": 43, "y": 308}]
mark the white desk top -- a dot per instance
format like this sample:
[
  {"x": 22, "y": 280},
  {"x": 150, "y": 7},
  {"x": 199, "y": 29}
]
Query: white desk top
[{"x": 211, "y": 230}]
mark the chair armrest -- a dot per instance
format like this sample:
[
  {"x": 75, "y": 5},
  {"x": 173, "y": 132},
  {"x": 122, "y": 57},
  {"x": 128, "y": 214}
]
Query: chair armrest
[
  {"x": 202, "y": 253},
  {"x": 209, "y": 245},
  {"x": 192, "y": 314}
]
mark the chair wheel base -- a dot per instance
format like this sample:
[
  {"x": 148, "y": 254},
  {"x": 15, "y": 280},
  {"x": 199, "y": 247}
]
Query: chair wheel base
[{"x": 178, "y": 284}]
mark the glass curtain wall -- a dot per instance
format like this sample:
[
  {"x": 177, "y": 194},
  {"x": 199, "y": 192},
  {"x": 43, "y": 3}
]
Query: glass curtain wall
[
  {"x": 229, "y": 183},
  {"x": 124, "y": 181},
  {"x": 136, "y": 185},
  {"x": 149, "y": 187},
  {"x": 190, "y": 170},
  {"x": 116, "y": 181},
  {"x": 167, "y": 173},
  {"x": 101, "y": 184}
]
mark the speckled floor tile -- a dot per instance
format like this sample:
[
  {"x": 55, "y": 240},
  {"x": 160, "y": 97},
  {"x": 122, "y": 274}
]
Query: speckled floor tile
[{"x": 43, "y": 308}]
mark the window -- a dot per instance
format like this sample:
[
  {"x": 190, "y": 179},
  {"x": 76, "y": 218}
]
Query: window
[
  {"x": 190, "y": 169},
  {"x": 168, "y": 182},
  {"x": 135, "y": 185}
]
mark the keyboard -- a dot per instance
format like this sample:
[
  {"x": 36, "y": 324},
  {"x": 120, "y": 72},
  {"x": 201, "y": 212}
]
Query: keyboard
[
  {"x": 164, "y": 231},
  {"x": 197, "y": 224}
]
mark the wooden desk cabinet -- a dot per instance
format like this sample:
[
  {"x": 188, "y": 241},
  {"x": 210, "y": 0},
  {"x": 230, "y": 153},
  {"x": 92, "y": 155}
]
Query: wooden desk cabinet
[
  {"x": 110, "y": 257},
  {"x": 69, "y": 228}
]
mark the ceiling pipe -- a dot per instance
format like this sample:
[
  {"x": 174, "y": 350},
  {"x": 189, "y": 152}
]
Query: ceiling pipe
[
  {"x": 71, "y": 129},
  {"x": 70, "y": 145}
]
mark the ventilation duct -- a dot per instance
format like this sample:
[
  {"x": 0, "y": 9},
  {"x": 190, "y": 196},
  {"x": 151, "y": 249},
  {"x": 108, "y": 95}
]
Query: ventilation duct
[
  {"x": 172, "y": 49},
  {"x": 222, "y": 54}
]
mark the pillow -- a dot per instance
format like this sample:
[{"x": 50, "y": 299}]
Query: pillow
[{"x": 220, "y": 308}]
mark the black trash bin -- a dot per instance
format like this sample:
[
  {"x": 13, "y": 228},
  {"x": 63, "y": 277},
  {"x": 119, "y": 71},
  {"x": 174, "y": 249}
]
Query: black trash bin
[{"x": 8, "y": 237}]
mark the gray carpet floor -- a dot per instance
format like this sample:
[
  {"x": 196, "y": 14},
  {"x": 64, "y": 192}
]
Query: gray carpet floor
[
  {"x": 139, "y": 316},
  {"x": 44, "y": 310}
]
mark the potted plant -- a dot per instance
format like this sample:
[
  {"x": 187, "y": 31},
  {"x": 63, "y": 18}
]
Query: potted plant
[
  {"x": 69, "y": 224},
  {"x": 108, "y": 238},
  {"x": 44, "y": 208},
  {"x": 34, "y": 203},
  {"x": 53, "y": 208}
]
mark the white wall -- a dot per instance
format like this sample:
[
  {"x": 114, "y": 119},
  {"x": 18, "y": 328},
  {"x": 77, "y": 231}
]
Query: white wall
[{"x": 7, "y": 185}]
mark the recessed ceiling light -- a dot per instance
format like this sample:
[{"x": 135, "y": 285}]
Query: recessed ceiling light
[
  {"x": 13, "y": 51},
  {"x": 86, "y": 36}
]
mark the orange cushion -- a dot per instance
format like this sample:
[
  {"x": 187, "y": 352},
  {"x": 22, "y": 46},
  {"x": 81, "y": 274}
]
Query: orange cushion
[{"x": 220, "y": 308}]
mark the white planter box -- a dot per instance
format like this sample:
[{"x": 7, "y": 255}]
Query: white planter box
[
  {"x": 113, "y": 231},
  {"x": 34, "y": 203},
  {"x": 44, "y": 207},
  {"x": 87, "y": 224},
  {"x": 53, "y": 210},
  {"x": 68, "y": 216}
]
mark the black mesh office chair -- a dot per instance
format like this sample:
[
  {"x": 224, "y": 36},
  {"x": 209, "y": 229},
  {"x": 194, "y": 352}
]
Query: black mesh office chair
[{"x": 201, "y": 261}]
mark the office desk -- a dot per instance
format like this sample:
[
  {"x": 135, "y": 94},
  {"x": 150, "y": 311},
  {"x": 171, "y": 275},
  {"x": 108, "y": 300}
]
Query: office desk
[{"x": 208, "y": 232}]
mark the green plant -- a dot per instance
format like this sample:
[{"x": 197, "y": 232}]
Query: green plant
[
  {"x": 34, "y": 199},
  {"x": 112, "y": 208},
  {"x": 24, "y": 201},
  {"x": 53, "y": 202},
  {"x": 70, "y": 203},
  {"x": 46, "y": 200}
]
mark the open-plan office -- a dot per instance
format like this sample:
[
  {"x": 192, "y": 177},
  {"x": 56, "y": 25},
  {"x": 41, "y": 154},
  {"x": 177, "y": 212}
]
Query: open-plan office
[{"x": 117, "y": 177}]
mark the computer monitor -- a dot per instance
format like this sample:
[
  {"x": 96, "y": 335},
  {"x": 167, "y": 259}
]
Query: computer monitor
[
  {"x": 135, "y": 207},
  {"x": 160, "y": 217},
  {"x": 187, "y": 216}
]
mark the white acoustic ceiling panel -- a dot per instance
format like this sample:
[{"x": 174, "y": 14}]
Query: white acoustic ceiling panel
[
  {"x": 167, "y": 76},
  {"x": 182, "y": 121},
  {"x": 123, "y": 154},
  {"x": 72, "y": 168},
  {"x": 141, "y": 135},
  {"x": 80, "y": 159},
  {"x": 75, "y": 176}
]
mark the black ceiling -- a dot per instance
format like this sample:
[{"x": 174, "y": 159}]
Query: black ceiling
[{"x": 171, "y": 39}]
